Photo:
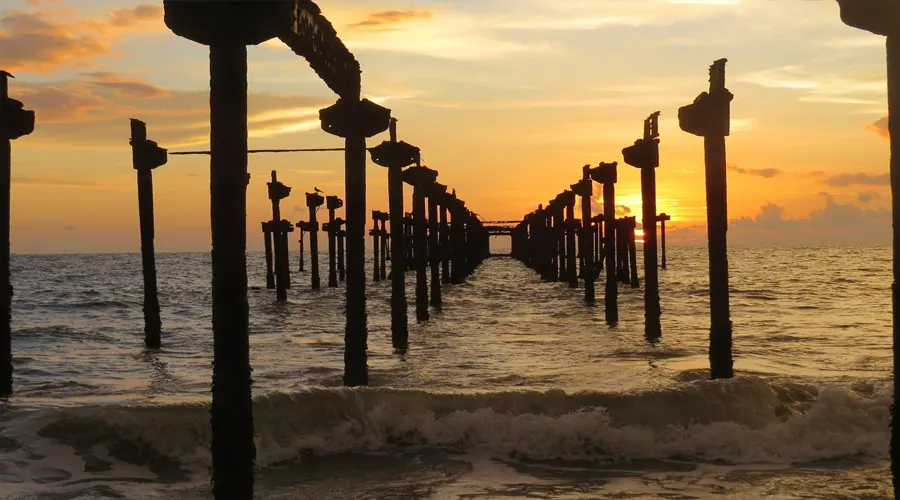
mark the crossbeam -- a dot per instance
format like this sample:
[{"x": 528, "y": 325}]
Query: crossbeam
[{"x": 252, "y": 151}]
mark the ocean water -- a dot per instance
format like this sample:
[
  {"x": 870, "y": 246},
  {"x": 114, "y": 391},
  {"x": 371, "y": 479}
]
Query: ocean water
[{"x": 516, "y": 389}]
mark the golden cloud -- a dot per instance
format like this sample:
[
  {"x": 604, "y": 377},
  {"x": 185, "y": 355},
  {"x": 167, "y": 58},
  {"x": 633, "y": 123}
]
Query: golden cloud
[
  {"x": 43, "y": 41},
  {"x": 880, "y": 127},
  {"x": 386, "y": 20}
]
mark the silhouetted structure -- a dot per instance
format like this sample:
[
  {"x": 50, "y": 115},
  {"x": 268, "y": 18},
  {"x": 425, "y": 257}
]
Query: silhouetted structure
[
  {"x": 435, "y": 193},
  {"x": 585, "y": 189},
  {"x": 709, "y": 117},
  {"x": 267, "y": 230},
  {"x": 304, "y": 227},
  {"x": 341, "y": 238},
  {"x": 279, "y": 230},
  {"x": 332, "y": 203},
  {"x": 881, "y": 18},
  {"x": 227, "y": 28},
  {"x": 445, "y": 241},
  {"x": 15, "y": 122},
  {"x": 313, "y": 201},
  {"x": 377, "y": 246},
  {"x": 145, "y": 156},
  {"x": 458, "y": 211},
  {"x": 571, "y": 226},
  {"x": 396, "y": 156},
  {"x": 663, "y": 218},
  {"x": 607, "y": 175},
  {"x": 420, "y": 178},
  {"x": 644, "y": 155},
  {"x": 630, "y": 228}
]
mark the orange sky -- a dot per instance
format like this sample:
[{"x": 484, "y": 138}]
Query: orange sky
[{"x": 507, "y": 100}]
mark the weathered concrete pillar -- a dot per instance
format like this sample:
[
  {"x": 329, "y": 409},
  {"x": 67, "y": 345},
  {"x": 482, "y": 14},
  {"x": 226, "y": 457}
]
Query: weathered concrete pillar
[
  {"x": 355, "y": 120},
  {"x": 435, "y": 192},
  {"x": 146, "y": 156},
  {"x": 663, "y": 218},
  {"x": 607, "y": 175},
  {"x": 632, "y": 251},
  {"x": 709, "y": 117},
  {"x": 15, "y": 122},
  {"x": 457, "y": 238},
  {"x": 376, "y": 247},
  {"x": 644, "y": 155},
  {"x": 445, "y": 244},
  {"x": 420, "y": 178},
  {"x": 267, "y": 244},
  {"x": 313, "y": 202},
  {"x": 341, "y": 238},
  {"x": 559, "y": 235},
  {"x": 304, "y": 227},
  {"x": 622, "y": 254},
  {"x": 571, "y": 227},
  {"x": 332, "y": 203},
  {"x": 883, "y": 18},
  {"x": 585, "y": 189},
  {"x": 384, "y": 243},
  {"x": 277, "y": 192},
  {"x": 396, "y": 156}
]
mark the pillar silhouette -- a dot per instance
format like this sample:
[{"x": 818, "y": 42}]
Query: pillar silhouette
[
  {"x": 585, "y": 189},
  {"x": 146, "y": 156},
  {"x": 709, "y": 117},
  {"x": 420, "y": 178},
  {"x": 881, "y": 18},
  {"x": 571, "y": 226},
  {"x": 267, "y": 244},
  {"x": 355, "y": 120},
  {"x": 607, "y": 175},
  {"x": 644, "y": 155},
  {"x": 376, "y": 247},
  {"x": 341, "y": 239},
  {"x": 332, "y": 203},
  {"x": 396, "y": 156},
  {"x": 436, "y": 192},
  {"x": 277, "y": 192},
  {"x": 662, "y": 218},
  {"x": 313, "y": 202}
]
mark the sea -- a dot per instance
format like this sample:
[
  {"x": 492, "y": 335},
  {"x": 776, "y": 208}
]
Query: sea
[{"x": 516, "y": 389}]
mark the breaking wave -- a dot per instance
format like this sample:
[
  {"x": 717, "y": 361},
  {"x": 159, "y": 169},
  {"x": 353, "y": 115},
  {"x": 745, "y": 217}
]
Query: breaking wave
[{"x": 745, "y": 420}]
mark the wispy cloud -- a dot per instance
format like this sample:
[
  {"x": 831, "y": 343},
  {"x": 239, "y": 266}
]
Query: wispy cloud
[
  {"x": 859, "y": 179},
  {"x": 766, "y": 173},
  {"x": 43, "y": 41},
  {"x": 880, "y": 127},
  {"x": 387, "y": 20},
  {"x": 821, "y": 88}
]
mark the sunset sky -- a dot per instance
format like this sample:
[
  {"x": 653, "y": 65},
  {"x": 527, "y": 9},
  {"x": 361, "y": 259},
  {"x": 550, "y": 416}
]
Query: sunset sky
[{"x": 507, "y": 99}]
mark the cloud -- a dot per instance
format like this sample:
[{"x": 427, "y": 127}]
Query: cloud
[
  {"x": 135, "y": 16},
  {"x": 92, "y": 112},
  {"x": 43, "y": 41},
  {"x": 834, "y": 223},
  {"x": 860, "y": 178},
  {"x": 818, "y": 87},
  {"x": 867, "y": 196},
  {"x": 880, "y": 127},
  {"x": 386, "y": 20},
  {"x": 125, "y": 87},
  {"x": 68, "y": 183},
  {"x": 766, "y": 173},
  {"x": 622, "y": 210},
  {"x": 54, "y": 104},
  {"x": 42, "y": 3}
]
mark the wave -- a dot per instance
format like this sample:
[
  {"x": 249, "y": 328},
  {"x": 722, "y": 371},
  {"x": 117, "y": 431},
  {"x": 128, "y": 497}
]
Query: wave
[{"x": 745, "y": 420}]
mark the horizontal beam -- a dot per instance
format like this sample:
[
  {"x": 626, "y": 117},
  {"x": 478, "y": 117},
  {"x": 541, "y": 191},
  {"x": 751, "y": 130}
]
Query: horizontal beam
[{"x": 253, "y": 151}]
